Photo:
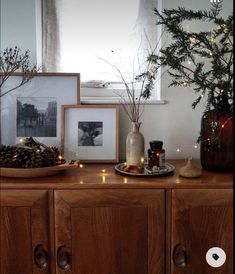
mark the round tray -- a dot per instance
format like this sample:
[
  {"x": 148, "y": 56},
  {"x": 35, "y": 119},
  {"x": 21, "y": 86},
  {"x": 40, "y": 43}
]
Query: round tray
[
  {"x": 168, "y": 170},
  {"x": 35, "y": 172}
]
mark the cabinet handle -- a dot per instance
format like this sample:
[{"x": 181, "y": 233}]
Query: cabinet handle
[
  {"x": 179, "y": 256},
  {"x": 40, "y": 257},
  {"x": 63, "y": 258}
]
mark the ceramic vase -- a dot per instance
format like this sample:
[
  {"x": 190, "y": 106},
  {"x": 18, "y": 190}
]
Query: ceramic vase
[{"x": 135, "y": 146}]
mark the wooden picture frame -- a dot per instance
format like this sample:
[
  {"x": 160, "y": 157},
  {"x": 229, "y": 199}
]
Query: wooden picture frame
[
  {"x": 90, "y": 133},
  {"x": 43, "y": 95}
]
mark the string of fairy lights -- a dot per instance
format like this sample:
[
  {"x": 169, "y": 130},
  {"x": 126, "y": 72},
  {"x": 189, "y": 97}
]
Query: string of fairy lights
[{"x": 185, "y": 83}]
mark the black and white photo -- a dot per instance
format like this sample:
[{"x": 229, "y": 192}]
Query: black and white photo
[
  {"x": 90, "y": 133},
  {"x": 34, "y": 110},
  {"x": 36, "y": 117}
]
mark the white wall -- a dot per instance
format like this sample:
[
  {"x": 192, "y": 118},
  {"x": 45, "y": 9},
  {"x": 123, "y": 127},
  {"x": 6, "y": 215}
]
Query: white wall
[
  {"x": 175, "y": 123},
  {"x": 17, "y": 24}
]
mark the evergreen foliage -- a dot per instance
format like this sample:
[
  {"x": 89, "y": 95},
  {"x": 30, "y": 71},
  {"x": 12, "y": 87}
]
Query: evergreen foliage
[{"x": 202, "y": 59}]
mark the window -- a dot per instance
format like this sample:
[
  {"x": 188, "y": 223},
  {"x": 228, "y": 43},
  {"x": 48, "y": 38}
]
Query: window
[{"x": 89, "y": 32}]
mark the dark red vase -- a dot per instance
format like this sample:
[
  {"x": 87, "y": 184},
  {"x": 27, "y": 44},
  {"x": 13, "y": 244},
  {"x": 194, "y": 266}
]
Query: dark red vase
[{"x": 217, "y": 139}]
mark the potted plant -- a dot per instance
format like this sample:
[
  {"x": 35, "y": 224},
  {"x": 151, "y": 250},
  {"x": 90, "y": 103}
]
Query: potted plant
[{"x": 203, "y": 60}]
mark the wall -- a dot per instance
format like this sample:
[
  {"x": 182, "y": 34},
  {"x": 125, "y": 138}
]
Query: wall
[
  {"x": 17, "y": 24},
  {"x": 175, "y": 122}
]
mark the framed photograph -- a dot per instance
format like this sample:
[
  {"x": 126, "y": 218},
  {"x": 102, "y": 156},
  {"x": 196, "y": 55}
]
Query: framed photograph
[
  {"x": 90, "y": 133},
  {"x": 34, "y": 109}
]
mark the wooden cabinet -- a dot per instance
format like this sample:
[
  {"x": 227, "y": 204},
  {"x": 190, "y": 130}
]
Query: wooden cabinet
[
  {"x": 201, "y": 219},
  {"x": 25, "y": 243},
  {"x": 83, "y": 224},
  {"x": 110, "y": 231}
]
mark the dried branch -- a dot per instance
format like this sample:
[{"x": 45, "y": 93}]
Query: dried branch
[{"x": 13, "y": 61}]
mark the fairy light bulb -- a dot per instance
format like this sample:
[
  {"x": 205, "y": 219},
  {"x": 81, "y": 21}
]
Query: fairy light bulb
[
  {"x": 223, "y": 126},
  {"x": 103, "y": 170},
  {"x": 60, "y": 157},
  {"x": 178, "y": 149},
  {"x": 81, "y": 165},
  {"x": 210, "y": 53},
  {"x": 212, "y": 40},
  {"x": 195, "y": 146}
]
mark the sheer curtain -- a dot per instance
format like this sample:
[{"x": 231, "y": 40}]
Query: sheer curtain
[
  {"x": 50, "y": 36},
  {"x": 77, "y": 33}
]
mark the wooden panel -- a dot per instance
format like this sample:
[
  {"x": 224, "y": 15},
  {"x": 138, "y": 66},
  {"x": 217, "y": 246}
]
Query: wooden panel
[
  {"x": 119, "y": 234},
  {"x": 24, "y": 225},
  {"x": 202, "y": 219},
  {"x": 15, "y": 241},
  {"x": 112, "y": 231}
]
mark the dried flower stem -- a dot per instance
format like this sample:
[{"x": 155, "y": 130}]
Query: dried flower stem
[{"x": 12, "y": 61}]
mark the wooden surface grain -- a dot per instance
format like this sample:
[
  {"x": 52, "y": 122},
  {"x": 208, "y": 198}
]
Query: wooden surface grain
[
  {"x": 24, "y": 225},
  {"x": 112, "y": 231},
  {"x": 202, "y": 219},
  {"x": 104, "y": 176}
]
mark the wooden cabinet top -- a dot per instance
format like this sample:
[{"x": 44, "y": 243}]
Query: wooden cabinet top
[{"x": 101, "y": 176}]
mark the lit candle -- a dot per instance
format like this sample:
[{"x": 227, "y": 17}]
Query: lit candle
[
  {"x": 125, "y": 181},
  {"x": 103, "y": 179}
]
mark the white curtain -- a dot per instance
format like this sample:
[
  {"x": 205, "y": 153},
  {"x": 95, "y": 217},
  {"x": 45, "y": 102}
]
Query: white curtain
[
  {"x": 50, "y": 36},
  {"x": 76, "y": 32}
]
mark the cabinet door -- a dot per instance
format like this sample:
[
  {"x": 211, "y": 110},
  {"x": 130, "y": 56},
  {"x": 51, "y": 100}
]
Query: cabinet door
[
  {"x": 110, "y": 231},
  {"x": 201, "y": 219},
  {"x": 24, "y": 232}
]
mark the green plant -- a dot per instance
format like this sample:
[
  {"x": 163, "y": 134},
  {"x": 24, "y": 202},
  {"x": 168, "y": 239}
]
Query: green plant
[{"x": 202, "y": 59}]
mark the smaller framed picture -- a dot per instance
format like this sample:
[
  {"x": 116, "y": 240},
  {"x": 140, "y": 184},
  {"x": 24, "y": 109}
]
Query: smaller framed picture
[{"x": 90, "y": 133}]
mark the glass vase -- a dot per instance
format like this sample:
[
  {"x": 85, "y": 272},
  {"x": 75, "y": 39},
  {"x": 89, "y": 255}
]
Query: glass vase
[{"x": 217, "y": 141}]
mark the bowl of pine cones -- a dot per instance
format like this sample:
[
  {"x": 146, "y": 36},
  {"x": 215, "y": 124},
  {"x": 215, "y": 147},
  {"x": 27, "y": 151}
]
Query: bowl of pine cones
[{"x": 31, "y": 158}]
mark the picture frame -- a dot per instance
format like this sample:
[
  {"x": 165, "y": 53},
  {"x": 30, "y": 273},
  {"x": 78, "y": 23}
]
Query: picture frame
[
  {"x": 34, "y": 109},
  {"x": 90, "y": 133}
]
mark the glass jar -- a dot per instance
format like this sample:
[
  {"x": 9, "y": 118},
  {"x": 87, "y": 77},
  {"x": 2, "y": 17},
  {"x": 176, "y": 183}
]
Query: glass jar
[{"x": 156, "y": 154}]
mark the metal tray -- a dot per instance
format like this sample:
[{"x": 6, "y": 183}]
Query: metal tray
[{"x": 168, "y": 170}]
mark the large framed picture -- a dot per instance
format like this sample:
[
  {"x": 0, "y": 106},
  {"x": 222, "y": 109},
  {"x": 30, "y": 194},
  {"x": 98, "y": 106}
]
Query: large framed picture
[
  {"x": 34, "y": 109},
  {"x": 90, "y": 133}
]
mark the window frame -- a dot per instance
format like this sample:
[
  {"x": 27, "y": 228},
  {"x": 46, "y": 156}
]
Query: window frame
[{"x": 155, "y": 98}]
